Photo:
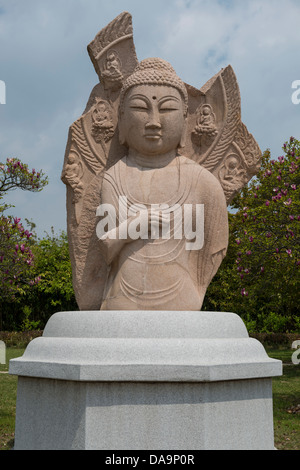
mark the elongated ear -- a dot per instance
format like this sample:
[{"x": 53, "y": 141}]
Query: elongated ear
[
  {"x": 122, "y": 133},
  {"x": 183, "y": 135}
]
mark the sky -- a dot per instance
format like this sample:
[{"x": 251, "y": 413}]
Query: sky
[{"x": 48, "y": 74}]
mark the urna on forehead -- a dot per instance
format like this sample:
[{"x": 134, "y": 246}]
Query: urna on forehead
[{"x": 154, "y": 71}]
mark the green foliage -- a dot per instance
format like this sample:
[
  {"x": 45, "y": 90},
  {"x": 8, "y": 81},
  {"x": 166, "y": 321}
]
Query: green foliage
[
  {"x": 52, "y": 265},
  {"x": 52, "y": 293},
  {"x": 16, "y": 257},
  {"x": 27, "y": 324},
  {"x": 260, "y": 279}
]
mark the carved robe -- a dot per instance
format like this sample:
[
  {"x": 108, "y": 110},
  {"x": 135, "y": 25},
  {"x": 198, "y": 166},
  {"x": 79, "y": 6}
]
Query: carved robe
[{"x": 162, "y": 274}]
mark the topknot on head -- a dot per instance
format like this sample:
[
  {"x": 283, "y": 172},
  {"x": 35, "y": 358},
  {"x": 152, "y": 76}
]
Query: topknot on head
[
  {"x": 156, "y": 64},
  {"x": 154, "y": 71}
]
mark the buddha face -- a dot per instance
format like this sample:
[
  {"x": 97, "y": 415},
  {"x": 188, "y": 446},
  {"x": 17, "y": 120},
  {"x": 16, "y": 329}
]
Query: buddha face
[{"x": 152, "y": 119}]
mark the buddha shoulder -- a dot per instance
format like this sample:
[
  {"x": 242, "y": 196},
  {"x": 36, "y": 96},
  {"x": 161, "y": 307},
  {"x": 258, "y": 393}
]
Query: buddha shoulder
[{"x": 203, "y": 178}]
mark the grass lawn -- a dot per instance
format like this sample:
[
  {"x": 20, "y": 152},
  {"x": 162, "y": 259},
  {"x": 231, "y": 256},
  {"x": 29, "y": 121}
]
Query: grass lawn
[
  {"x": 286, "y": 402},
  {"x": 8, "y": 395},
  {"x": 286, "y": 397}
]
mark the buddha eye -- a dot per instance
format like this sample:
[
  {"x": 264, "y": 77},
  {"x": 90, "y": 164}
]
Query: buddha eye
[
  {"x": 169, "y": 105},
  {"x": 138, "y": 104}
]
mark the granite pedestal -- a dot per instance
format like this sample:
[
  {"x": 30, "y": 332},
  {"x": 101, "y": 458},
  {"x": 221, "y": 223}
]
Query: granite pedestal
[{"x": 128, "y": 380}]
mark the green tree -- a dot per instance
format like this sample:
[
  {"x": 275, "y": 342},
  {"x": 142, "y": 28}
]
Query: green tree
[
  {"x": 16, "y": 257},
  {"x": 262, "y": 271},
  {"x": 54, "y": 291}
]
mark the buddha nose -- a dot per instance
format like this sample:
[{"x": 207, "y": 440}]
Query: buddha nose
[{"x": 154, "y": 120}]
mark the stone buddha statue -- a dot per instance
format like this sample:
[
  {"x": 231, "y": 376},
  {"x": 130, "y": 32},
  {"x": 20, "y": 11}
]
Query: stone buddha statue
[
  {"x": 154, "y": 187},
  {"x": 156, "y": 163}
]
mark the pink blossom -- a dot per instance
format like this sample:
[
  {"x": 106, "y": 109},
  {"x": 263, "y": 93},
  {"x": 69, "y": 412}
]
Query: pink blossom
[
  {"x": 267, "y": 203},
  {"x": 289, "y": 252},
  {"x": 238, "y": 241},
  {"x": 262, "y": 269},
  {"x": 293, "y": 186}
]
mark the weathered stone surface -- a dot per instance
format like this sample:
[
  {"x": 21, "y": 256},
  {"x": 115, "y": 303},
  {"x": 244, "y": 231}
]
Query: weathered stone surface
[{"x": 150, "y": 139}]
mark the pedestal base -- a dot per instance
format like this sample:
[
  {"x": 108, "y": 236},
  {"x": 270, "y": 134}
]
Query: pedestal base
[{"x": 144, "y": 381}]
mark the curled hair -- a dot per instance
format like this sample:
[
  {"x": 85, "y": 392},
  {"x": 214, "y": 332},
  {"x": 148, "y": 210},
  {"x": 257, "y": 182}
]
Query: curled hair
[{"x": 154, "y": 71}]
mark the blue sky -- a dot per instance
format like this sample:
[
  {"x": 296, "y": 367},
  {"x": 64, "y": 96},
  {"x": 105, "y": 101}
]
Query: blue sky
[{"x": 48, "y": 74}]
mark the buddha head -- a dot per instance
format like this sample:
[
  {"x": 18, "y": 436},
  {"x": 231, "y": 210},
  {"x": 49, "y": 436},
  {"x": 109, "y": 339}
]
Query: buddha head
[{"x": 153, "y": 109}]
